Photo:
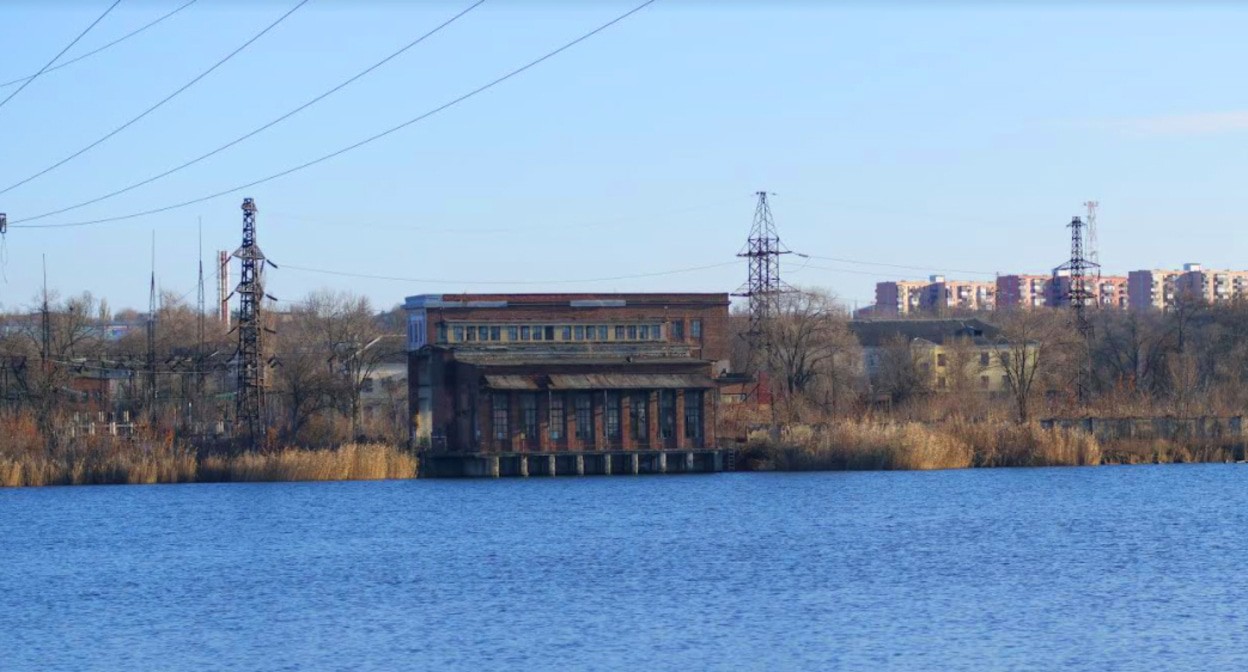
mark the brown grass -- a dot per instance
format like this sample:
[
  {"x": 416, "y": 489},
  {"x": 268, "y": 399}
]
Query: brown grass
[
  {"x": 100, "y": 460},
  {"x": 871, "y": 445},
  {"x": 352, "y": 462}
]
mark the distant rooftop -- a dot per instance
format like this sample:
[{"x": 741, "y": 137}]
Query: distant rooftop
[{"x": 878, "y": 332}]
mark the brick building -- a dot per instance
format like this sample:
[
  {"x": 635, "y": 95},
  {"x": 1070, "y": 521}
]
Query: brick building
[{"x": 565, "y": 383}]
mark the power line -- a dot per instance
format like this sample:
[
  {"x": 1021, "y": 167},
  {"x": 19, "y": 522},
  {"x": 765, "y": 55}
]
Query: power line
[
  {"x": 97, "y": 50},
  {"x": 60, "y": 54},
  {"x": 894, "y": 265},
  {"x": 263, "y": 128},
  {"x": 153, "y": 108},
  {"x": 344, "y": 150},
  {"x": 443, "y": 281}
]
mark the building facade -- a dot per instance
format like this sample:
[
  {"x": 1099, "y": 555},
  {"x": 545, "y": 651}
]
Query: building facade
[
  {"x": 565, "y": 383},
  {"x": 1024, "y": 291},
  {"x": 935, "y": 296},
  {"x": 1162, "y": 289},
  {"x": 901, "y": 297},
  {"x": 948, "y": 355}
]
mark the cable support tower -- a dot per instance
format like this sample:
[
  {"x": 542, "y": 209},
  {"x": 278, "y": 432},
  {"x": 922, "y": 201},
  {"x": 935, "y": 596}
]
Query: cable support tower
[
  {"x": 1080, "y": 297},
  {"x": 61, "y": 53},
  {"x": 249, "y": 397},
  {"x": 763, "y": 286},
  {"x": 373, "y": 138}
]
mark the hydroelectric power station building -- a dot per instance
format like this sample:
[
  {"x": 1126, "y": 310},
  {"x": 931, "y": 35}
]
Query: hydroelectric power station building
[{"x": 513, "y": 384}]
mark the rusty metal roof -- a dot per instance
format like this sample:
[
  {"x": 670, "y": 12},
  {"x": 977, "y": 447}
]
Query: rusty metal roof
[{"x": 506, "y": 382}]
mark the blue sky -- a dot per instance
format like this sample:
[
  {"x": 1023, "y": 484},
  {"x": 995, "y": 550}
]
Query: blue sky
[{"x": 943, "y": 135}]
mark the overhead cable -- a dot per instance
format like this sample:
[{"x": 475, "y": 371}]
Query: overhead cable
[
  {"x": 97, "y": 50},
  {"x": 444, "y": 281},
  {"x": 153, "y": 108},
  {"x": 901, "y": 266},
  {"x": 48, "y": 65},
  {"x": 263, "y": 128},
  {"x": 357, "y": 145}
]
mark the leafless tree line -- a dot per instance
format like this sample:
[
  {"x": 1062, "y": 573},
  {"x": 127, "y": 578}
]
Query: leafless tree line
[
  {"x": 78, "y": 359},
  {"x": 1187, "y": 362}
]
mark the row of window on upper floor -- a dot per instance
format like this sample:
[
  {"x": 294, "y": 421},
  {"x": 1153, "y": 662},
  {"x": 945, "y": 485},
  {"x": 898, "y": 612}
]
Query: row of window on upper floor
[{"x": 585, "y": 333}]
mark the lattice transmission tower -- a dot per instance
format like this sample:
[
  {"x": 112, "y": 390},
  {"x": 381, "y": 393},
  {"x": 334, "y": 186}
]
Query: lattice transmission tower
[
  {"x": 1083, "y": 272},
  {"x": 764, "y": 287},
  {"x": 250, "y": 397}
]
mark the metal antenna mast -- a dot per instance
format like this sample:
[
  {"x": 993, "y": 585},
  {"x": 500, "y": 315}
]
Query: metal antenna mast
[
  {"x": 763, "y": 288},
  {"x": 1094, "y": 252},
  {"x": 251, "y": 379}
]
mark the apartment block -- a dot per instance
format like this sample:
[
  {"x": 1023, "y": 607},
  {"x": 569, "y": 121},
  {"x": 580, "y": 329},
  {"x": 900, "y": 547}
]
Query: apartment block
[
  {"x": 1024, "y": 291},
  {"x": 1108, "y": 291},
  {"x": 902, "y": 297},
  {"x": 1161, "y": 289},
  {"x": 935, "y": 296}
]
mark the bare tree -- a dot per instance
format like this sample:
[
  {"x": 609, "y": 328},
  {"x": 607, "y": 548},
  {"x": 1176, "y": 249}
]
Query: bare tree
[
  {"x": 812, "y": 350},
  {"x": 1028, "y": 349}
]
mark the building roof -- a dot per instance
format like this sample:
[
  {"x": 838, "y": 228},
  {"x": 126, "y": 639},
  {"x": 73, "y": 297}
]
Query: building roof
[
  {"x": 579, "y": 300},
  {"x": 876, "y": 333},
  {"x": 598, "y": 381}
]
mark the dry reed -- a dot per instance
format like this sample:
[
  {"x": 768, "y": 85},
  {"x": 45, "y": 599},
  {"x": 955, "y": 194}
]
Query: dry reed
[
  {"x": 875, "y": 445},
  {"x": 95, "y": 462},
  {"x": 352, "y": 462}
]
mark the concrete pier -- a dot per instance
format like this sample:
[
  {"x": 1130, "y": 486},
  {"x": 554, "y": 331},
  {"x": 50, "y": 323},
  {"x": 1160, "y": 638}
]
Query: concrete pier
[{"x": 568, "y": 463}]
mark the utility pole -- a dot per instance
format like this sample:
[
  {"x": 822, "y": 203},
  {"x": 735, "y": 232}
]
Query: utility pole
[
  {"x": 151, "y": 341},
  {"x": 45, "y": 322},
  {"x": 196, "y": 412},
  {"x": 250, "y": 402},
  {"x": 762, "y": 289},
  {"x": 1079, "y": 296}
]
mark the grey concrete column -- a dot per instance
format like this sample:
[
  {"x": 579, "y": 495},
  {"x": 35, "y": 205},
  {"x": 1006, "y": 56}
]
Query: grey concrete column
[
  {"x": 492, "y": 465},
  {"x": 550, "y": 464},
  {"x": 524, "y": 465},
  {"x": 635, "y": 463},
  {"x": 662, "y": 463},
  {"x": 606, "y": 464},
  {"x": 580, "y": 465},
  {"x": 689, "y": 462}
]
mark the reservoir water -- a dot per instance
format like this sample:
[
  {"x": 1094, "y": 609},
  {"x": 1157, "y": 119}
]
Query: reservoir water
[{"x": 1108, "y": 568}]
